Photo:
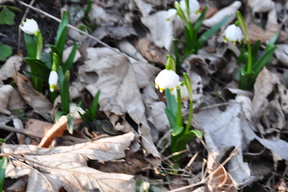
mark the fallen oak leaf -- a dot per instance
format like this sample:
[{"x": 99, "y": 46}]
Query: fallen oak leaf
[{"x": 52, "y": 169}]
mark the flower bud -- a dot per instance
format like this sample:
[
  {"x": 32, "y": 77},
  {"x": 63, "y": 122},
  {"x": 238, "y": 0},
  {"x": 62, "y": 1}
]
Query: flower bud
[{"x": 30, "y": 27}]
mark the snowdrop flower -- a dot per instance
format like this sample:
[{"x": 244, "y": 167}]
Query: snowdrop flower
[
  {"x": 194, "y": 9},
  {"x": 171, "y": 14},
  {"x": 233, "y": 33},
  {"x": 30, "y": 27},
  {"x": 53, "y": 80},
  {"x": 166, "y": 79},
  {"x": 183, "y": 90}
]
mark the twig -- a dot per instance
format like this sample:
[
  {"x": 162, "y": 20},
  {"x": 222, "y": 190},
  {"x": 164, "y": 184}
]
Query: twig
[
  {"x": 21, "y": 131},
  {"x": 70, "y": 26}
]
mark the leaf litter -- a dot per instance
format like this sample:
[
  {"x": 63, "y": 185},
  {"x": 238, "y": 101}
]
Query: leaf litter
[{"x": 240, "y": 128}]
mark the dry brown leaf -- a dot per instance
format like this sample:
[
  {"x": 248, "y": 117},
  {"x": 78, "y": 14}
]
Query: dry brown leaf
[
  {"x": 16, "y": 101},
  {"x": 52, "y": 169},
  {"x": 281, "y": 54},
  {"x": 220, "y": 180},
  {"x": 5, "y": 92},
  {"x": 256, "y": 32},
  {"x": 151, "y": 51},
  {"x": 55, "y": 131},
  {"x": 37, "y": 126},
  {"x": 11, "y": 66},
  {"x": 32, "y": 97}
]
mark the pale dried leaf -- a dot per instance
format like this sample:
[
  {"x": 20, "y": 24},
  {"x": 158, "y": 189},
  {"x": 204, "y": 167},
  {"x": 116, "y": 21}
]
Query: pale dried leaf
[
  {"x": 144, "y": 73},
  {"x": 115, "y": 77},
  {"x": 261, "y": 6},
  {"x": 67, "y": 52},
  {"x": 282, "y": 54},
  {"x": 16, "y": 101},
  {"x": 215, "y": 19},
  {"x": 225, "y": 128},
  {"x": 10, "y": 67},
  {"x": 51, "y": 169},
  {"x": 162, "y": 31},
  {"x": 144, "y": 7},
  {"x": 156, "y": 111},
  {"x": 126, "y": 47},
  {"x": 5, "y": 92},
  {"x": 263, "y": 86},
  {"x": 32, "y": 97}
]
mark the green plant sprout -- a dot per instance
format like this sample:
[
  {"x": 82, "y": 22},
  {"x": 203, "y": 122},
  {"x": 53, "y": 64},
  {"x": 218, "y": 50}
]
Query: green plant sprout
[
  {"x": 192, "y": 42},
  {"x": 253, "y": 63},
  {"x": 168, "y": 80},
  {"x": 49, "y": 69},
  {"x": 3, "y": 165},
  {"x": 90, "y": 114}
]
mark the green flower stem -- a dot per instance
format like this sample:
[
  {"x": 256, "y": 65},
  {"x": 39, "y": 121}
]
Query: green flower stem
[
  {"x": 179, "y": 109},
  {"x": 245, "y": 31},
  {"x": 39, "y": 44},
  {"x": 190, "y": 116},
  {"x": 249, "y": 64}
]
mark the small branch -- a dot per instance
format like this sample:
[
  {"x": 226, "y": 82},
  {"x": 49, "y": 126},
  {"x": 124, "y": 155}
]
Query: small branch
[{"x": 21, "y": 131}]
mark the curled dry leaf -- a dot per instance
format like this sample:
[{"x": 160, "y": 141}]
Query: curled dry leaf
[
  {"x": 55, "y": 131},
  {"x": 52, "y": 169},
  {"x": 220, "y": 180},
  {"x": 151, "y": 51},
  {"x": 5, "y": 92},
  {"x": 32, "y": 97},
  {"x": 231, "y": 9},
  {"x": 11, "y": 66}
]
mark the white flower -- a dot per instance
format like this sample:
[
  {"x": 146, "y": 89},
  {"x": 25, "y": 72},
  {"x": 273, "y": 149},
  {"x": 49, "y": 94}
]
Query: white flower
[
  {"x": 53, "y": 80},
  {"x": 194, "y": 9},
  {"x": 30, "y": 26},
  {"x": 171, "y": 14},
  {"x": 233, "y": 33},
  {"x": 166, "y": 79},
  {"x": 183, "y": 90}
]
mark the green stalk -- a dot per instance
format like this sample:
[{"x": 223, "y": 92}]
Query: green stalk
[
  {"x": 39, "y": 44},
  {"x": 190, "y": 116},
  {"x": 249, "y": 64},
  {"x": 179, "y": 109}
]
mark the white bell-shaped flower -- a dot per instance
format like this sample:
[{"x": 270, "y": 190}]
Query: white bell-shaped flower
[
  {"x": 53, "y": 80},
  {"x": 171, "y": 14},
  {"x": 184, "y": 92},
  {"x": 30, "y": 26},
  {"x": 166, "y": 79},
  {"x": 233, "y": 33},
  {"x": 194, "y": 8}
]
